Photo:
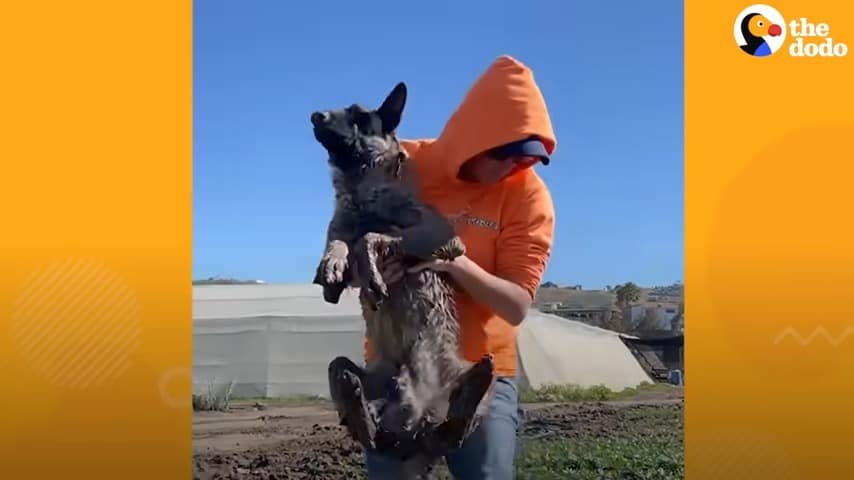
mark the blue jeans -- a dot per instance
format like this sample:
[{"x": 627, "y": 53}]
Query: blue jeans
[{"x": 488, "y": 453}]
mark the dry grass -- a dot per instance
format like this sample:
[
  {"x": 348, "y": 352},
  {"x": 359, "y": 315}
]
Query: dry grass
[{"x": 217, "y": 398}]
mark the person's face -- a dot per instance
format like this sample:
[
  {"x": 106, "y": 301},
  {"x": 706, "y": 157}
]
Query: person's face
[{"x": 488, "y": 169}]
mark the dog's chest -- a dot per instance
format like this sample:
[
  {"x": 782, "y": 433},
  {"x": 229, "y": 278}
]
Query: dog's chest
[{"x": 381, "y": 209}]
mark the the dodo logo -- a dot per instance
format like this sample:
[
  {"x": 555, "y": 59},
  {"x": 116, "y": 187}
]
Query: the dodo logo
[{"x": 760, "y": 30}]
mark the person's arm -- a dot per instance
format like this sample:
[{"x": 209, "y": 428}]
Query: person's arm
[
  {"x": 509, "y": 300},
  {"x": 523, "y": 249}
]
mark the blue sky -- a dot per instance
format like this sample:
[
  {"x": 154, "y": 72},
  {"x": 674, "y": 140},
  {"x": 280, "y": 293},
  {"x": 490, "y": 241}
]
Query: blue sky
[{"x": 611, "y": 73}]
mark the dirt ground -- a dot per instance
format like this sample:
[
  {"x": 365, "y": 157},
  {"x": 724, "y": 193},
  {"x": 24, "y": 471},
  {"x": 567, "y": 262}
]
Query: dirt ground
[{"x": 304, "y": 442}]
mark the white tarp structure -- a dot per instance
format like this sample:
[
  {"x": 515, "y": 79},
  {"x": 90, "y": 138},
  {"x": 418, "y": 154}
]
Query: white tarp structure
[
  {"x": 277, "y": 340},
  {"x": 556, "y": 350}
]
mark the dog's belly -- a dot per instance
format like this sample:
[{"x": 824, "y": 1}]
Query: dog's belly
[{"x": 416, "y": 328}]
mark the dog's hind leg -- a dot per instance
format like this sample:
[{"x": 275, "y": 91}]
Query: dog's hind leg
[
  {"x": 346, "y": 388},
  {"x": 452, "y": 249},
  {"x": 462, "y": 418}
]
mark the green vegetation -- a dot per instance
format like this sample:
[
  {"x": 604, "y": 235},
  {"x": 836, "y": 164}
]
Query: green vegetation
[
  {"x": 612, "y": 443},
  {"x": 285, "y": 401},
  {"x": 545, "y": 394},
  {"x": 603, "y": 458},
  {"x": 627, "y": 294},
  {"x": 596, "y": 393},
  {"x": 221, "y": 400},
  {"x": 606, "y": 443},
  {"x": 224, "y": 281}
]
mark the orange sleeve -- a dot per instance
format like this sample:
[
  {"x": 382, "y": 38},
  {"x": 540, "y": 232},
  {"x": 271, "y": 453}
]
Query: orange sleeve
[{"x": 524, "y": 245}]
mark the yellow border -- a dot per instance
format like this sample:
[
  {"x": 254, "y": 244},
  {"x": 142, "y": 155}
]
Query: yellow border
[
  {"x": 95, "y": 142},
  {"x": 95, "y": 293},
  {"x": 769, "y": 262}
]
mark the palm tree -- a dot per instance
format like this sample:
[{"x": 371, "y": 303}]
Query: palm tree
[
  {"x": 617, "y": 319},
  {"x": 627, "y": 294}
]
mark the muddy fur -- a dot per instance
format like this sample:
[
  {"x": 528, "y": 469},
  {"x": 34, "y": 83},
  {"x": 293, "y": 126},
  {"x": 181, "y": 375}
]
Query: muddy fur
[{"x": 417, "y": 397}]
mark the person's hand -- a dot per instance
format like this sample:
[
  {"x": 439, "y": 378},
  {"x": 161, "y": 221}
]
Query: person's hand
[{"x": 437, "y": 265}]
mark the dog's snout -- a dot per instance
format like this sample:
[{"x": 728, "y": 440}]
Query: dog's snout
[{"x": 318, "y": 118}]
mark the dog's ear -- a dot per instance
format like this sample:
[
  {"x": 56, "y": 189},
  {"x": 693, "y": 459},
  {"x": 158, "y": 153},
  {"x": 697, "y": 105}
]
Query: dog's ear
[{"x": 392, "y": 108}]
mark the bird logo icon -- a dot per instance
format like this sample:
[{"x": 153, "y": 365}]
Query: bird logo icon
[{"x": 760, "y": 30}]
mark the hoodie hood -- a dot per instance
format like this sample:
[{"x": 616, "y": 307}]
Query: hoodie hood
[
  {"x": 507, "y": 227},
  {"x": 503, "y": 105}
]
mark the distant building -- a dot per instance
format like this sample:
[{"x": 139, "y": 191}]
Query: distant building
[
  {"x": 678, "y": 323},
  {"x": 662, "y": 305},
  {"x": 589, "y": 306},
  {"x": 663, "y": 315},
  {"x": 550, "y": 307},
  {"x": 660, "y": 354}
]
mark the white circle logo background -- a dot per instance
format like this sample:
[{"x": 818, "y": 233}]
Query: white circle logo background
[{"x": 771, "y": 13}]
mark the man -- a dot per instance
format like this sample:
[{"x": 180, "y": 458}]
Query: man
[{"x": 479, "y": 173}]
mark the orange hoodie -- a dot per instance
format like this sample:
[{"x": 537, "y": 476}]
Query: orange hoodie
[{"x": 508, "y": 227}]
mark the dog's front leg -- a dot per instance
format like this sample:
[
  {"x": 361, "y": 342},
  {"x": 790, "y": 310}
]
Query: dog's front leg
[
  {"x": 369, "y": 250},
  {"x": 332, "y": 272}
]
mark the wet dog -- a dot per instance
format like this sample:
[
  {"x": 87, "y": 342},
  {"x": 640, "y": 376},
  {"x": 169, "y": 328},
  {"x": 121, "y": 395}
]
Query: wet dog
[{"x": 417, "y": 397}]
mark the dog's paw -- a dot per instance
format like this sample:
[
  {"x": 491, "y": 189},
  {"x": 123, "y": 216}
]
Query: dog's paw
[
  {"x": 334, "y": 263},
  {"x": 378, "y": 288},
  {"x": 374, "y": 247},
  {"x": 375, "y": 293},
  {"x": 333, "y": 269},
  {"x": 451, "y": 250}
]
